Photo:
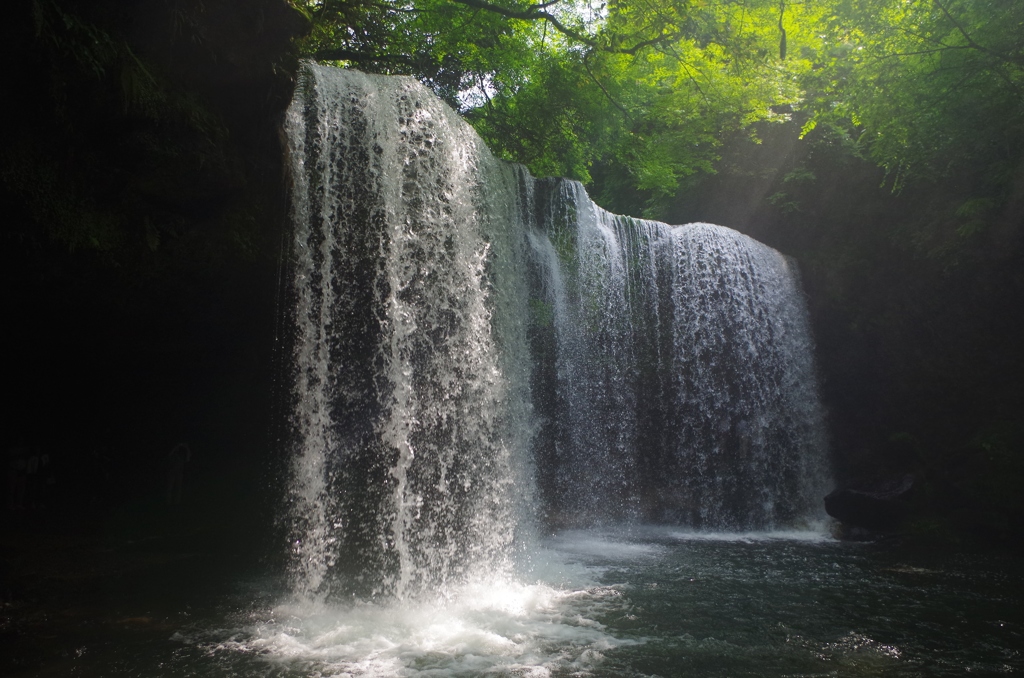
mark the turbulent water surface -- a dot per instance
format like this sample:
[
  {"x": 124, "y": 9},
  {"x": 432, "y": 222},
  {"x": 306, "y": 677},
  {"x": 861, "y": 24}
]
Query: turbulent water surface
[{"x": 643, "y": 602}]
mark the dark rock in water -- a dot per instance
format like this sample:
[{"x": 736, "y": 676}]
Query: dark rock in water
[
  {"x": 881, "y": 507},
  {"x": 845, "y": 532}
]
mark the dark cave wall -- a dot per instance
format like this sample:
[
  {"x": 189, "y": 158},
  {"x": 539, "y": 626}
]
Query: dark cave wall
[{"x": 144, "y": 204}]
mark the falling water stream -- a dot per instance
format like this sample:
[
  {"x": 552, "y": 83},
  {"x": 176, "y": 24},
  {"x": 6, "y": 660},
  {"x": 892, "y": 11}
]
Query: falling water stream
[
  {"x": 412, "y": 423},
  {"x": 478, "y": 354},
  {"x": 532, "y": 438}
]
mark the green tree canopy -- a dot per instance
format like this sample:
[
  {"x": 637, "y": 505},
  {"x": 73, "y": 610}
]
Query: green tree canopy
[
  {"x": 633, "y": 96},
  {"x": 643, "y": 89},
  {"x": 934, "y": 91}
]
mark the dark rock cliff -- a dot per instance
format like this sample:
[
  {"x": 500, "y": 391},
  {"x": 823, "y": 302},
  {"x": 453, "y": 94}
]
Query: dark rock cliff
[{"x": 143, "y": 203}]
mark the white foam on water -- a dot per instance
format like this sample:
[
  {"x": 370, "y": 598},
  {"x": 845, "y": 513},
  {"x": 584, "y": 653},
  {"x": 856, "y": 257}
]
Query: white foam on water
[
  {"x": 813, "y": 536},
  {"x": 488, "y": 628},
  {"x": 606, "y": 545},
  {"x": 645, "y": 542}
]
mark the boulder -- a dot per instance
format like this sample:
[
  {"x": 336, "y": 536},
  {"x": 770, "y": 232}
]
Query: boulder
[{"x": 879, "y": 507}]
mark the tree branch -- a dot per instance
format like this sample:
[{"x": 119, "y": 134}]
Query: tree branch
[
  {"x": 538, "y": 13},
  {"x": 342, "y": 54},
  {"x": 1006, "y": 58},
  {"x": 607, "y": 94},
  {"x": 782, "y": 31},
  {"x": 531, "y": 13}
]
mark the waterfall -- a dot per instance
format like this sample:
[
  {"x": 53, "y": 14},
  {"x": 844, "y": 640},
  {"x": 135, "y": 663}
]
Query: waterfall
[
  {"x": 412, "y": 424},
  {"x": 476, "y": 352},
  {"x": 682, "y": 382}
]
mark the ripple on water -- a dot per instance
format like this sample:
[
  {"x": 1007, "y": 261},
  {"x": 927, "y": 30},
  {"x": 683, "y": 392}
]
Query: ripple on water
[{"x": 638, "y": 603}]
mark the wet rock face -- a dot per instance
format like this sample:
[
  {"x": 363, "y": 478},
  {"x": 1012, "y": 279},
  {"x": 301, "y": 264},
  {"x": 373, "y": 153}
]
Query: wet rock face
[
  {"x": 238, "y": 53},
  {"x": 141, "y": 180},
  {"x": 142, "y": 120},
  {"x": 237, "y": 59}
]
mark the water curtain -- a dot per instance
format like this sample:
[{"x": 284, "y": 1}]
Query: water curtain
[{"x": 477, "y": 353}]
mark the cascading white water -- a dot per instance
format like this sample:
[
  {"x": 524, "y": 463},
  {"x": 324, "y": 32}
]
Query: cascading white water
[
  {"x": 412, "y": 425},
  {"x": 464, "y": 333},
  {"x": 683, "y": 389}
]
